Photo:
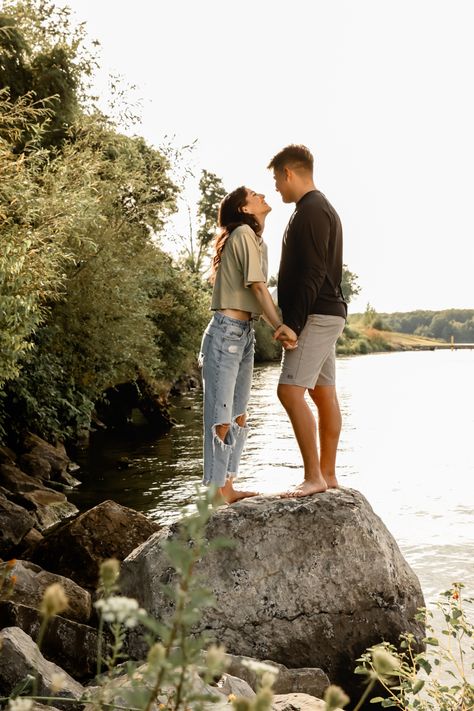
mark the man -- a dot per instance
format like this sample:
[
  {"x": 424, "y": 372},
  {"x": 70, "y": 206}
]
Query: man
[{"x": 312, "y": 304}]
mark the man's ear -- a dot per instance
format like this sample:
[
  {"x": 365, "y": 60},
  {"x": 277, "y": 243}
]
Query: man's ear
[{"x": 288, "y": 173}]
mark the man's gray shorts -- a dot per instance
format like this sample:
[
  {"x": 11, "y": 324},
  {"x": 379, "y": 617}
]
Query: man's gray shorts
[{"x": 313, "y": 362}]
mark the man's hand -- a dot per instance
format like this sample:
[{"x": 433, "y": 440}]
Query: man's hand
[{"x": 286, "y": 336}]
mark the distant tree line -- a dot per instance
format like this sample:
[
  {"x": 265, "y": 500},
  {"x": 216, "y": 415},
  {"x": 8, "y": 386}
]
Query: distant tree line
[{"x": 456, "y": 323}]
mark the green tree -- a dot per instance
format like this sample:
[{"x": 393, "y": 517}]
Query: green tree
[
  {"x": 212, "y": 192},
  {"x": 88, "y": 300},
  {"x": 350, "y": 286}
]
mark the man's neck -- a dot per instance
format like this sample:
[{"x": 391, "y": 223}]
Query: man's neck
[{"x": 307, "y": 187}]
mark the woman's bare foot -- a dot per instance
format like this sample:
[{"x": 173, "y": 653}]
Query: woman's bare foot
[
  {"x": 306, "y": 488},
  {"x": 231, "y": 495},
  {"x": 331, "y": 481}
]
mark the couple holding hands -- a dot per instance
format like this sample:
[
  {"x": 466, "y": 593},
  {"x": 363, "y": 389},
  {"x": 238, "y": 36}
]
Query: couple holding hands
[{"x": 313, "y": 317}]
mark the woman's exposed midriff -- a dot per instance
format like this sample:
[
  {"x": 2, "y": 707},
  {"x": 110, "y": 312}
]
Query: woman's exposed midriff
[{"x": 236, "y": 313}]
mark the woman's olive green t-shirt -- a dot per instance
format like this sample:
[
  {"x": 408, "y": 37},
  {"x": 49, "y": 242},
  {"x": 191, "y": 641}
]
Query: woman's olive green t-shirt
[{"x": 243, "y": 262}]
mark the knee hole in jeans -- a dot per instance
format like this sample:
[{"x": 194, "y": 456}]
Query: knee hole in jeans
[
  {"x": 222, "y": 430},
  {"x": 241, "y": 420}
]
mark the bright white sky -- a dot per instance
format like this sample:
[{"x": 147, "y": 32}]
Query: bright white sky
[{"x": 379, "y": 90}]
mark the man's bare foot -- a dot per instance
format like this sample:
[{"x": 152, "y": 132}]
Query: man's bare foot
[
  {"x": 231, "y": 495},
  {"x": 306, "y": 488},
  {"x": 331, "y": 481}
]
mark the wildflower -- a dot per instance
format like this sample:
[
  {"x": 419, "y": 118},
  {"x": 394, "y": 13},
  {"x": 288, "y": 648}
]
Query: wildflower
[
  {"x": 242, "y": 704},
  {"x": 335, "y": 698},
  {"x": 109, "y": 572},
  {"x": 231, "y": 697},
  {"x": 455, "y": 595},
  {"x": 122, "y": 610},
  {"x": 264, "y": 698},
  {"x": 20, "y": 704},
  {"x": 215, "y": 658},
  {"x": 384, "y": 662},
  {"x": 11, "y": 563},
  {"x": 58, "y": 681},
  {"x": 12, "y": 580},
  {"x": 54, "y": 600},
  {"x": 267, "y": 679},
  {"x": 156, "y": 654},
  {"x": 260, "y": 667}
]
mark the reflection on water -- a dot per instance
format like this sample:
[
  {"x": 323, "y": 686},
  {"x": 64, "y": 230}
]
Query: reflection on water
[{"x": 406, "y": 445}]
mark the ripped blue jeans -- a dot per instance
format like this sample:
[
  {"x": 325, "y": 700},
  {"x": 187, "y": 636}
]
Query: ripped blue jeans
[{"x": 226, "y": 356}]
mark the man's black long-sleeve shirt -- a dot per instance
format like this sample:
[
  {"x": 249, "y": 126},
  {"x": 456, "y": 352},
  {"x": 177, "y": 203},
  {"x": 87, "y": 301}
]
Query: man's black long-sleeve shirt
[{"x": 310, "y": 274}]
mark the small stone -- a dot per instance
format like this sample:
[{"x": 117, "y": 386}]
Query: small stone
[
  {"x": 229, "y": 684},
  {"x": 297, "y": 702},
  {"x": 15, "y": 522},
  {"x": 49, "y": 507}
]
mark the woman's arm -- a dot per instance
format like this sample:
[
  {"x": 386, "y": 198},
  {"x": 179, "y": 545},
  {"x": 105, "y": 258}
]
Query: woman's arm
[{"x": 271, "y": 315}]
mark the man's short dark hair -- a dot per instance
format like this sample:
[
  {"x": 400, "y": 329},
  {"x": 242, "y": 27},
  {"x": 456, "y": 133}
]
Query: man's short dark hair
[{"x": 293, "y": 156}]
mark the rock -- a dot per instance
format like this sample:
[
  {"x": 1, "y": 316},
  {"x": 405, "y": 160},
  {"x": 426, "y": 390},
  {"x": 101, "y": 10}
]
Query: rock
[
  {"x": 77, "y": 548},
  {"x": 49, "y": 507},
  {"x": 297, "y": 702},
  {"x": 21, "y": 656},
  {"x": 119, "y": 693},
  {"x": 43, "y": 460},
  {"x": 70, "y": 645},
  {"x": 306, "y": 681},
  {"x": 32, "y": 581},
  {"x": 311, "y": 582},
  {"x": 15, "y": 522},
  {"x": 15, "y": 480},
  {"x": 7, "y": 456},
  {"x": 29, "y": 543},
  {"x": 229, "y": 684}
]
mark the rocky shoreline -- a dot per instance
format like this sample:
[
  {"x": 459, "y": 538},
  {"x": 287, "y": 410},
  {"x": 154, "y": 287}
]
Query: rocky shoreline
[{"x": 309, "y": 583}]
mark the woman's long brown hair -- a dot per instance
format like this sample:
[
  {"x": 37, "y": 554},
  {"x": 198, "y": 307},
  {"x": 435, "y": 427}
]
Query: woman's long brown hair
[{"x": 231, "y": 216}]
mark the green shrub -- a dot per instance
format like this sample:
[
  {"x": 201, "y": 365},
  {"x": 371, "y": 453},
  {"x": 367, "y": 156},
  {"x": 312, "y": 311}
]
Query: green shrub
[{"x": 266, "y": 348}]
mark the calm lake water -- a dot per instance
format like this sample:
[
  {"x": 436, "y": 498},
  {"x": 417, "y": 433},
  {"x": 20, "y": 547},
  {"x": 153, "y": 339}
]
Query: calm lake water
[{"x": 407, "y": 445}]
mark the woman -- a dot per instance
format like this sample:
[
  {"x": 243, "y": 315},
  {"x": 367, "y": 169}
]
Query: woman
[{"x": 239, "y": 295}]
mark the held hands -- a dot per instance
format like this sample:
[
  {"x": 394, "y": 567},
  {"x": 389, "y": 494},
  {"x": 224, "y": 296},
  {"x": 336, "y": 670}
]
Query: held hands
[{"x": 286, "y": 336}]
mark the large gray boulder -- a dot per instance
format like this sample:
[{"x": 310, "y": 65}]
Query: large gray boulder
[
  {"x": 310, "y": 582},
  {"x": 20, "y": 656}
]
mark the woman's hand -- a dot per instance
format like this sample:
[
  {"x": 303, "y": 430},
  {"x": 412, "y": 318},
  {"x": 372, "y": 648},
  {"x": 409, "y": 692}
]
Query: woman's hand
[{"x": 286, "y": 336}]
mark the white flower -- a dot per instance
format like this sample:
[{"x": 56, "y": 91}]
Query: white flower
[
  {"x": 20, "y": 704},
  {"x": 260, "y": 667},
  {"x": 58, "y": 680},
  {"x": 123, "y": 610}
]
